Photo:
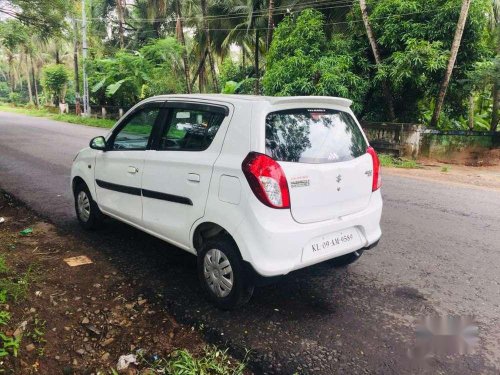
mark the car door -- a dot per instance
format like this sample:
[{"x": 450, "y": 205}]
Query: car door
[
  {"x": 118, "y": 170},
  {"x": 177, "y": 172}
]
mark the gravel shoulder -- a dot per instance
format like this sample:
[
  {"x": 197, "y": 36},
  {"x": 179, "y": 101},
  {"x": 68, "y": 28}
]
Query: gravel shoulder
[
  {"x": 78, "y": 319},
  {"x": 479, "y": 177}
]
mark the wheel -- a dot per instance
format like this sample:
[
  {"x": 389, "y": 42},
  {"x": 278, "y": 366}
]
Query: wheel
[
  {"x": 345, "y": 260},
  {"x": 221, "y": 274},
  {"x": 88, "y": 213}
]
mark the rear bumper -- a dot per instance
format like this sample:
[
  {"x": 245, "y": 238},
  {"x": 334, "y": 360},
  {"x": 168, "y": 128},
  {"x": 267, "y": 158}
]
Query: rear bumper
[
  {"x": 272, "y": 243},
  {"x": 258, "y": 280}
]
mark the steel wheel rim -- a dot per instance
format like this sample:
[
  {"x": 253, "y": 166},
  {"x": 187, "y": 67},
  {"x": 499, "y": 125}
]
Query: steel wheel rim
[
  {"x": 218, "y": 273},
  {"x": 83, "y": 205}
]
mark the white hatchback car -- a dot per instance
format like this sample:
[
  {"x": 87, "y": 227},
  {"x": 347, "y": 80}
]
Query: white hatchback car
[{"x": 254, "y": 186}]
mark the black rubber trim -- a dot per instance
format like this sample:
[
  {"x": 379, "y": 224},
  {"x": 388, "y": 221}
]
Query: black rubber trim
[
  {"x": 371, "y": 246},
  {"x": 208, "y": 107},
  {"x": 145, "y": 193},
  {"x": 166, "y": 197},
  {"x": 120, "y": 188}
]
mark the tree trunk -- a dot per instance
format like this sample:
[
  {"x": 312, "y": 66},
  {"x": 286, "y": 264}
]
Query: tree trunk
[
  {"x": 256, "y": 63},
  {"x": 495, "y": 115},
  {"x": 37, "y": 102},
  {"x": 270, "y": 23},
  {"x": 201, "y": 67},
  {"x": 180, "y": 37},
  {"x": 378, "y": 61},
  {"x": 204, "y": 10},
  {"x": 120, "y": 10},
  {"x": 451, "y": 62},
  {"x": 28, "y": 79},
  {"x": 200, "y": 72},
  {"x": 10, "y": 61},
  {"x": 75, "y": 67},
  {"x": 471, "y": 112}
]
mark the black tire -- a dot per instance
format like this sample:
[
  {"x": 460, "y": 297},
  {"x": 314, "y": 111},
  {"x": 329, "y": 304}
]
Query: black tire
[
  {"x": 345, "y": 260},
  {"x": 241, "y": 290},
  {"x": 94, "y": 218}
]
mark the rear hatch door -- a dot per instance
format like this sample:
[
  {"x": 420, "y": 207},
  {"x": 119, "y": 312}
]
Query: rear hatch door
[{"x": 323, "y": 155}]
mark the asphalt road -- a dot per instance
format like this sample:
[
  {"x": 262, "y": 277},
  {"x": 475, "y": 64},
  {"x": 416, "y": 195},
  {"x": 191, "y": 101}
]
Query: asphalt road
[{"x": 439, "y": 255}]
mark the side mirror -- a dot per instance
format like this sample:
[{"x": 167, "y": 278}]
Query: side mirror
[{"x": 98, "y": 143}]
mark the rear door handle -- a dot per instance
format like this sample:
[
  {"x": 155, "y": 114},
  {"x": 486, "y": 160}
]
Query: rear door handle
[
  {"x": 133, "y": 170},
  {"x": 194, "y": 177}
]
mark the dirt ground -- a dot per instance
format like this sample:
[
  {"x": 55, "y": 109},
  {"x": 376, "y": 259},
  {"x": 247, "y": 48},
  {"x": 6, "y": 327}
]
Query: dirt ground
[
  {"x": 77, "y": 319},
  {"x": 484, "y": 177}
]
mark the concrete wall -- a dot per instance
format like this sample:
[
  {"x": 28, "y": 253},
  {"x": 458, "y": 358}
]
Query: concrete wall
[
  {"x": 415, "y": 140},
  {"x": 457, "y": 147}
]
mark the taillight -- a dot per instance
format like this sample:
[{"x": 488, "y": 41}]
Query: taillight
[
  {"x": 267, "y": 180},
  {"x": 377, "y": 178}
]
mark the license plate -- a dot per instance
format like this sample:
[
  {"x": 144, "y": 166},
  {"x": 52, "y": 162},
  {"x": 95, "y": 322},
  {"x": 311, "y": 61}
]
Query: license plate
[{"x": 331, "y": 245}]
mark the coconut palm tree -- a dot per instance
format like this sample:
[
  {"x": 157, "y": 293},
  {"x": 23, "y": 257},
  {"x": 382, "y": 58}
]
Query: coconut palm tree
[{"x": 464, "y": 11}]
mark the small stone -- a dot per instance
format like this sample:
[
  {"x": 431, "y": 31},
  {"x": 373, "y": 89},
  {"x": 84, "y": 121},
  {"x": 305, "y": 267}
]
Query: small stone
[
  {"x": 85, "y": 320},
  {"x": 32, "y": 310},
  {"x": 30, "y": 347},
  {"x": 81, "y": 351},
  {"x": 105, "y": 357},
  {"x": 57, "y": 358},
  {"x": 141, "y": 302},
  {"x": 67, "y": 328},
  {"x": 107, "y": 341}
]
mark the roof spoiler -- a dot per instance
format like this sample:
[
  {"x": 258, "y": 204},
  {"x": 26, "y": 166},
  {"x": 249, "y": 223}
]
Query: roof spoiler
[{"x": 313, "y": 99}]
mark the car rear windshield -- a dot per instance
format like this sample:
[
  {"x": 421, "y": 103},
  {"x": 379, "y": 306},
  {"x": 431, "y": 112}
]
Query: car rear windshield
[{"x": 312, "y": 135}]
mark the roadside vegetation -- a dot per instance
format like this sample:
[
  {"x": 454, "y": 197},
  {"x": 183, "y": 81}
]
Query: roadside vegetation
[
  {"x": 73, "y": 321},
  {"x": 392, "y": 161},
  {"x": 45, "y": 112},
  {"x": 398, "y": 60}
]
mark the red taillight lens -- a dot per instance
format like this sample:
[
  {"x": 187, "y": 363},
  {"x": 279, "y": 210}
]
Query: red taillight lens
[
  {"x": 267, "y": 180},
  {"x": 377, "y": 178}
]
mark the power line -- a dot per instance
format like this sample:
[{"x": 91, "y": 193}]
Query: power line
[
  {"x": 328, "y": 23},
  {"x": 220, "y": 17},
  {"x": 323, "y": 4}
]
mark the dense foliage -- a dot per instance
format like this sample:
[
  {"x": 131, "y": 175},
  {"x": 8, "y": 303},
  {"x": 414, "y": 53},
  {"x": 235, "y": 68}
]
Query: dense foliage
[
  {"x": 54, "y": 81},
  {"x": 146, "y": 47}
]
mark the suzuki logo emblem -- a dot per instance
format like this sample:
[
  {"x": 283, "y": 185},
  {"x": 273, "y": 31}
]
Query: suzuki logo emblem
[{"x": 339, "y": 178}]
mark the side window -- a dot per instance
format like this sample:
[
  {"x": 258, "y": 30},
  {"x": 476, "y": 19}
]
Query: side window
[
  {"x": 135, "y": 134},
  {"x": 190, "y": 130}
]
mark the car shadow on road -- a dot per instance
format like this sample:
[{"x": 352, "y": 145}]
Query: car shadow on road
[{"x": 320, "y": 318}]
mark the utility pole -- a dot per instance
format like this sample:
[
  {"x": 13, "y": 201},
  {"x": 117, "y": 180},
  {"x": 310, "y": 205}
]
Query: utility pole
[
  {"x": 86, "y": 106},
  {"x": 78, "y": 110}
]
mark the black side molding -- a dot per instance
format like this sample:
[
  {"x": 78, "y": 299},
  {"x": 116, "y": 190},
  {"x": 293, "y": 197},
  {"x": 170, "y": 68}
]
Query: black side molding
[
  {"x": 120, "y": 188},
  {"x": 145, "y": 193},
  {"x": 166, "y": 197}
]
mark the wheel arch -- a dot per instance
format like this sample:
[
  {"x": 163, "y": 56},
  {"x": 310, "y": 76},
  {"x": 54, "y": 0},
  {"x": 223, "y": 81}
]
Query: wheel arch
[
  {"x": 80, "y": 180},
  {"x": 207, "y": 230}
]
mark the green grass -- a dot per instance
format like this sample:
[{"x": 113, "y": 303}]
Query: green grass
[
  {"x": 73, "y": 119},
  {"x": 445, "y": 169},
  {"x": 9, "y": 345},
  {"x": 387, "y": 160},
  {"x": 181, "y": 362}
]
